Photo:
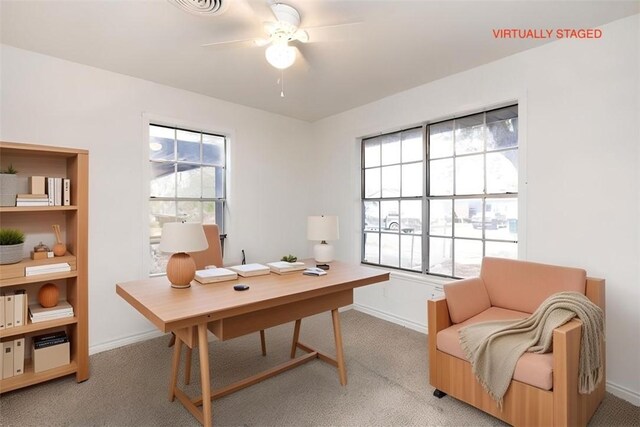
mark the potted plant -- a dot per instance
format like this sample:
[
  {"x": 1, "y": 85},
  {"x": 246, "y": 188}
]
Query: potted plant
[
  {"x": 11, "y": 245},
  {"x": 8, "y": 186}
]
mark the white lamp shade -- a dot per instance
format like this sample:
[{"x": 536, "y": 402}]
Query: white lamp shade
[
  {"x": 183, "y": 237},
  {"x": 323, "y": 227},
  {"x": 280, "y": 55}
]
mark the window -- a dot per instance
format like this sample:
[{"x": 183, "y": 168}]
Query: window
[
  {"x": 187, "y": 182},
  {"x": 460, "y": 177}
]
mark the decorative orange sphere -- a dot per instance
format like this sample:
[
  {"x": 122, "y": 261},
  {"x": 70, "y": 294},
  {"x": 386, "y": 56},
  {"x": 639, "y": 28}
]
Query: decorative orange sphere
[
  {"x": 59, "y": 249},
  {"x": 48, "y": 295}
]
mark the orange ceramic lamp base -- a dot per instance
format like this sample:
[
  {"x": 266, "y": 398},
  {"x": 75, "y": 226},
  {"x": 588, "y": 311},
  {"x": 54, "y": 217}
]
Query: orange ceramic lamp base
[{"x": 181, "y": 270}]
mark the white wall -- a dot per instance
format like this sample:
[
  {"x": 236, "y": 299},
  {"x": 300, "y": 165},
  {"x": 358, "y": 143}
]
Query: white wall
[
  {"x": 54, "y": 102},
  {"x": 579, "y": 188}
]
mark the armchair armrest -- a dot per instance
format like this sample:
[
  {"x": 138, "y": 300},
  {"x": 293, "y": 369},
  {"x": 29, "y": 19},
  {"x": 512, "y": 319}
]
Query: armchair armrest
[
  {"x": 566, "y": 357},
  {"x": 466, "y": 298},
  {"x": 438, "y": 319}
]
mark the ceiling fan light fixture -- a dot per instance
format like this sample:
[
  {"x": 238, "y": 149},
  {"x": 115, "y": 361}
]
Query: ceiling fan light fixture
[{"x": 280, "y": 55}]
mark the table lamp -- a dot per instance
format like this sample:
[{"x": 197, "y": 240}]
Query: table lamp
[
  {"x": 179, "y": 238},
  {"x": 322, "y": 228}
]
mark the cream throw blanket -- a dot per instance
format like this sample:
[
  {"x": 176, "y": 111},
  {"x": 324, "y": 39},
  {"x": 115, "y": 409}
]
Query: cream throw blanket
[{"x": 494, "y": 347}]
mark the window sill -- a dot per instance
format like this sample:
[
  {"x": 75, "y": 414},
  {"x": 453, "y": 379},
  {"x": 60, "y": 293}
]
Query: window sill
[{"x": 425, "y": 279}]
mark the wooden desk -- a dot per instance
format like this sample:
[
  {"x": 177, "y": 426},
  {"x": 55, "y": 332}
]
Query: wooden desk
[{"x": 271, "y": 300}]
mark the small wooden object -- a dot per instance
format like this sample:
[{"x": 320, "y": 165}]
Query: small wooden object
[
  {"x": 41, "y": 251},
  {"x": 59, "y": 249},
  {"x": 48, "y": 295}
]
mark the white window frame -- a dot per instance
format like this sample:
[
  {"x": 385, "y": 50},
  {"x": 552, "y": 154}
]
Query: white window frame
[
  {"x": 149, "y": 120},
  {"x": 521, "y": 106}
]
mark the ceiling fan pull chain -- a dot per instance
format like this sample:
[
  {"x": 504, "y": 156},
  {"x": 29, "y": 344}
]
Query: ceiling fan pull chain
[{"x": 281, "y": 83}]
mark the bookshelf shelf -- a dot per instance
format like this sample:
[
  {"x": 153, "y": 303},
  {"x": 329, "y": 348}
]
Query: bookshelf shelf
[
  {"x": 37, "y": 327},
  {"x": 37, "y": 279},
  {"x": 30, "y": 378},
  {"x": 49, "y": 161},
  {"x": 8, "y": 209}
]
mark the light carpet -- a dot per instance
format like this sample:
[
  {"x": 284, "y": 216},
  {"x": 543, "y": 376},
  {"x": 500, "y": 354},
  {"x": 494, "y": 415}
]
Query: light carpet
[{"x": 387, "y": 372}]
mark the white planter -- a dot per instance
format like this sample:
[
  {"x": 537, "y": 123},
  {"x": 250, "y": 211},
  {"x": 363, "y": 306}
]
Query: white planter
[
  {"x": 8, "y": 189},
  {"x": 11, "y": 254}
]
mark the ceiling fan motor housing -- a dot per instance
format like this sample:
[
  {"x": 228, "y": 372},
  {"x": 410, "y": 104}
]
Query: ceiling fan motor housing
[{"x": 286, "y": 14}]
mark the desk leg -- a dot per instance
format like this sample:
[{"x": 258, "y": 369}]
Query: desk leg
[
  {"x": 296, "y": 335},
  {"x": 175, "y": 365},
  {"x": 263, "y": 342},
  {"x": 187, "y": 366},
  {"x": 342, "y": 370},
  {"x": 204, "y": 374}
]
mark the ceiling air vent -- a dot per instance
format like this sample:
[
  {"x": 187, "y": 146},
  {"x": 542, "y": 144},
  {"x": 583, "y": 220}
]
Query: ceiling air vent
[{"x": 203, "y": 7}]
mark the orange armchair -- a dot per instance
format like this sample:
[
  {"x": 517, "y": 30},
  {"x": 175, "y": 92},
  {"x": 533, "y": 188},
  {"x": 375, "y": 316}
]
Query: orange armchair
[{"x": 544, "y": 388}]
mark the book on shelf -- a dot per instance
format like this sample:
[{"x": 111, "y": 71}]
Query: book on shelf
[
  {"x": 37, "y": 313},
  {"x": 66, "y": 192},
  {"x": 32, "y": 202},
  {"x": 47, "y": 269},
  {"x": 19, "y": 308},
  {"x": 282, "y": 267},
  {"x": 50, "y": 187},
  {"x": 7, "y": 359},
  {"x": 8, "y": 311},
  {"x": 31, "y": 196},
  {"x": 55, "y": 338},
  {"x": 212, "y": 275},
  {"x": 249, "y": 270},
  {"x": 18, "y": 356},
  {"x": 36, "y": 185},
  {"x": 58, "y": 192}
]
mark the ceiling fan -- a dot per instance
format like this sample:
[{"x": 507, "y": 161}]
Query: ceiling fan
[{"x": 284, "y": 30}]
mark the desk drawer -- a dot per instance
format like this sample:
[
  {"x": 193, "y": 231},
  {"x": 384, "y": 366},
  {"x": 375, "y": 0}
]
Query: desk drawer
[{"x": 243, "y": 324}]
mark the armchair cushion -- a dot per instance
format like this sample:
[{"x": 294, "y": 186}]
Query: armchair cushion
[
  {"x": 523, "y": 286},
  {"x": 533, "y": 369},
  {"x": 466, "y": 298}
]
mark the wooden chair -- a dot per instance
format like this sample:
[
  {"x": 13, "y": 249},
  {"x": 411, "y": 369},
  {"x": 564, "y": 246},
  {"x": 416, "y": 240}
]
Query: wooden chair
[{"x": 210, "y": 256}]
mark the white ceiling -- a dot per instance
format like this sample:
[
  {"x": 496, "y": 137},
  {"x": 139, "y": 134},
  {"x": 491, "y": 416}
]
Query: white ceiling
[{"x": 397, "y": 45}]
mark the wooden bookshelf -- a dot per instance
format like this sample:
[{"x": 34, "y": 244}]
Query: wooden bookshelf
[{"x": 40, "y": 160}]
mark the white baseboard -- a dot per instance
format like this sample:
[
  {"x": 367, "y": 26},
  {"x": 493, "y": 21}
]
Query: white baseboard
[
  {"x": 391, "y": 318},
  {"x": 624, "y": 393},
  {"x": 120, "y": 342}
]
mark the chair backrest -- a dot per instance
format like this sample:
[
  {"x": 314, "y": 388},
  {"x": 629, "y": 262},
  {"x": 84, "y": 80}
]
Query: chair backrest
[
  {"x": 213, "y": 254},
  {"x": 523, "y": 286}
]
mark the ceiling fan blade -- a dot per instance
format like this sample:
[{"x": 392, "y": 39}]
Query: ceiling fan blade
[
  {"x": 301, "y": 36},
  {"x": 261, "y": 42},
  {"x": 344, "y": 24},
  {"x": 231, "y": 42}
]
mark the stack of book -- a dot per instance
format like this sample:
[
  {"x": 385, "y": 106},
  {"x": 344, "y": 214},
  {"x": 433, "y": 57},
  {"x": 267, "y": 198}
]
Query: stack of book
[
  {"x": 249, "y": 270},
  {"x": 37, "y": 313},
  {"x": 283, "y": 267},
  {"x": 47, "y": 269},
  {"x": 54, "y": 338},
  {"x": 32, "y": 200},
  {"x": 212, "y": 275}
]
